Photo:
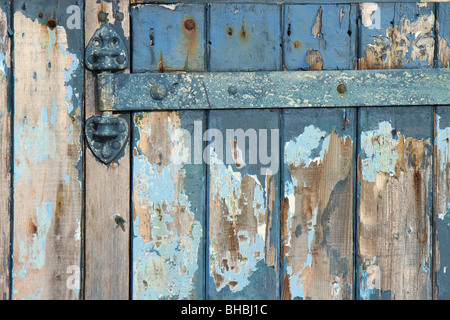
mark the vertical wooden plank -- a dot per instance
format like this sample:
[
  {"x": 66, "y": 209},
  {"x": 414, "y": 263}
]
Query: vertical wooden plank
[
  {"x": 107, "y": 235},
  {"x": 5, "y": 149},
  {"x": 243, "y": 167},
  {"x": 169, "y": 181},
  {"x": 442, "y": 168},
  {"x": 48, "y": 173},
  {"x": 318, "y": 169},
  {"x": 395, "y": 202},
  {"x": 317, "y": 208},
  {"x": 320, "y": 37},
  {"x": 394, "y": 174},
  {"x": 442, "y": 203},
  {"x": 397, "y": 35},
  {"x": 443, "y": 34}
]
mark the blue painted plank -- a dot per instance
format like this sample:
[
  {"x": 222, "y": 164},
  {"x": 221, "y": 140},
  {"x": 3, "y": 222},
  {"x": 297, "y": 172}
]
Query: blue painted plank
[
  {"x": 395, "y": 203},
  {"x": 318, "y": 165},
  {"x": 442, "y": 203},
  {"x": 244, "y": 178},
  {"x": 245, "y": 37},
  {"x": 395, "y": 161},
  {"x": 168, "y": 179},
  {"x": 317, "y": 208},
  {"x": 243, "y": 204},
  {"x": 442, "y": 165},
  {"x": 396, "y": 35},
  {"x": 320, "y": 36},
  {"x": 169, "y": 39},
  {"x": 443, "y": 32}
]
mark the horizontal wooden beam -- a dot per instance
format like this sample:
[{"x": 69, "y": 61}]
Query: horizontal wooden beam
[{"x": 271, "y": 90}]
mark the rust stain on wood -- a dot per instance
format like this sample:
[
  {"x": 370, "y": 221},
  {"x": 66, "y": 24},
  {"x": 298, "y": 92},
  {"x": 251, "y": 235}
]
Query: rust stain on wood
[{"x": 190, "y": 42}]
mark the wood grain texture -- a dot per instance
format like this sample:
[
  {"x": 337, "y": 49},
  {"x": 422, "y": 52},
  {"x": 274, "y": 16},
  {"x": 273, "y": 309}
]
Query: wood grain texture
[
  {"x": 395, "y": 203},
  {"x": 169, "y": 181},
  {"x": 442, "y": 203},
  {"x": 320, "y": 36},
  {"x": 317, "y": 208},
  {"x": 48, "y": 172},
  {"x": 244, "y": 188},
  {"x": 396, "y": 35},
  {"x": 5, "y": 150},
  {"x": 107, "y": 221}
]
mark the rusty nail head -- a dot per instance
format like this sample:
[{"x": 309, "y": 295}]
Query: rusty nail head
[
  {"x": 119, "y": 16},
  {"x": 102, "y": 16},
  {"x": 40, "y": 15},
  {"x": 341, "y": 88},
  {"x": 189, "y": 24}
]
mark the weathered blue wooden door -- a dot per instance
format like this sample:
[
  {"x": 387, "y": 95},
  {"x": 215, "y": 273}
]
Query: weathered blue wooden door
[
  {"x": 283, "y": 203},
  {"x": 262, "y": 172}
]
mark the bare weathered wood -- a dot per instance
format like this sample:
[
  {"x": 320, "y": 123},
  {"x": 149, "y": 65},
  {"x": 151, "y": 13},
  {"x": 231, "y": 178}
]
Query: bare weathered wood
[
  {"x": 48, "y": 169},
  {"x": 107, "y": 224},
  {"x": 169, "y": 182},
  {"x": 5, "y": 151}
]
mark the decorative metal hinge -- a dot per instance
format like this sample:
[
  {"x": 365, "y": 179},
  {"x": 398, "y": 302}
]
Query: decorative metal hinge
[{"x": 106, "y": 53}]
